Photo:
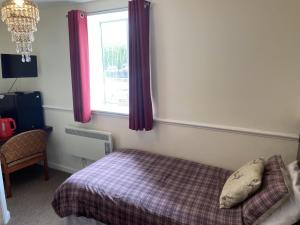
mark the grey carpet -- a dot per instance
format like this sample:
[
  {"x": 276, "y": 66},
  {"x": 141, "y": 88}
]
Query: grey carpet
[{"x": 31, "y": 201}]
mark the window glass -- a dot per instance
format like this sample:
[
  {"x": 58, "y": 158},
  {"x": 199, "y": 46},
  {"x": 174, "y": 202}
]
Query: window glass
[{"x": 108, "y": 49}]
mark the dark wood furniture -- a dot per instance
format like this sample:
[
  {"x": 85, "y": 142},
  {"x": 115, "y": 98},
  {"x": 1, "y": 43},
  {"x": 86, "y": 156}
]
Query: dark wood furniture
[{"x": 23, "y": 150}]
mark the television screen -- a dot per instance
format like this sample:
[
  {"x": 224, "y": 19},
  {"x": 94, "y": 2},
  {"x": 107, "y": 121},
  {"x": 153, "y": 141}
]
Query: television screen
[{"x": 13, "y": 67}]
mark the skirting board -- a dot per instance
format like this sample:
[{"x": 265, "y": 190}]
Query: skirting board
[{"x": 62, "y": 168}]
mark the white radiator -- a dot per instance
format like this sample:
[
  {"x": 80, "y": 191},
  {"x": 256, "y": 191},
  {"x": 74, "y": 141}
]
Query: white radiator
[{"x": 88, "y": 144}]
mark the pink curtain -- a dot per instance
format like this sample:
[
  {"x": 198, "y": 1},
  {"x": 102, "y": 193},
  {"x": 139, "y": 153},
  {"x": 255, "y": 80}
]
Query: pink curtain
[
  {"x": 140, "y": 103},
  {"x": 79, "y": 55}
]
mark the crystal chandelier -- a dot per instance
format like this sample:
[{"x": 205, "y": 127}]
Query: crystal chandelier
[{"x": 21, "y": 18}]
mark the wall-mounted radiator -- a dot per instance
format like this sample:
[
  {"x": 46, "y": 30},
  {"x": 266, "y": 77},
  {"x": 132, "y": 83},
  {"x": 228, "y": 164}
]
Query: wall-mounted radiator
[{"x": 89, "y": 144}]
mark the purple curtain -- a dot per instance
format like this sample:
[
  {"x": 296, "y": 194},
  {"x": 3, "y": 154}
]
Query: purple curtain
[
  {"x": 79, "y": 55},
  {"x": 140, "y": 103}
]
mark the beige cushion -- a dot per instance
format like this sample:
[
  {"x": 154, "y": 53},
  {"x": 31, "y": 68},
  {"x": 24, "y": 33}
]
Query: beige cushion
[{"x": 242, "y": 183}]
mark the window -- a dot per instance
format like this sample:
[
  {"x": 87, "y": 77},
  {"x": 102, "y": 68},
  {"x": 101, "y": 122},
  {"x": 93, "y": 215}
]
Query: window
[{"x": 108, "y": 49}]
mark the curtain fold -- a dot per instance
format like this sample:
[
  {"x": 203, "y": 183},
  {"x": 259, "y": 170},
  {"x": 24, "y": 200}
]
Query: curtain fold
[
  {"x": 140, "y": 103},
  {"x": 79, "y": 56}
]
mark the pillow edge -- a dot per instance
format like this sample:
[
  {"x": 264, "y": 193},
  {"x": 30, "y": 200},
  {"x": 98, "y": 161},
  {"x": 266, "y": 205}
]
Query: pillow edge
[{"x": 288, "y": 183}]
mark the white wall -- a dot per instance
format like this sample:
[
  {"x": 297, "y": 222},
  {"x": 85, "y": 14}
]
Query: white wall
[{"x": 233, "y": 63}]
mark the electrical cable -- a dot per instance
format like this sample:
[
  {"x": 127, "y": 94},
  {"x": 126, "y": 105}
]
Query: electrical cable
[{"x": 11, "y": 87}]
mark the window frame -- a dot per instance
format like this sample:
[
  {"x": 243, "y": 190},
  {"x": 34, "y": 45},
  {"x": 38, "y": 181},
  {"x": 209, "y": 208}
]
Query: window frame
[{"x": 104, "y": 111}]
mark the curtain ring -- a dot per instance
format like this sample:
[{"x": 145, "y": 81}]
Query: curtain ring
[{"x": 146, "y": 4}]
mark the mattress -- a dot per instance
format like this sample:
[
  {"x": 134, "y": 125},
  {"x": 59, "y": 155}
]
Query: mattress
[{"x": 132, "y": 187}]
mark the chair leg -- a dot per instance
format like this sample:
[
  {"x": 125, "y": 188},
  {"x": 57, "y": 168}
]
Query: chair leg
[
  {"x": 46, "y": 173},
  {"x": 7, "y": 185}
]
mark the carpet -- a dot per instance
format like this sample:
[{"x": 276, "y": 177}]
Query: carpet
[{"x": 32, "y": 196}]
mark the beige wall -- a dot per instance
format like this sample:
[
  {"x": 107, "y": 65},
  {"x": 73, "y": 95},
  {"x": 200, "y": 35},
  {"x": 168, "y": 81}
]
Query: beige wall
[
  {"x": 233, "y": 63},
  {"x": 6, "y": 46}
]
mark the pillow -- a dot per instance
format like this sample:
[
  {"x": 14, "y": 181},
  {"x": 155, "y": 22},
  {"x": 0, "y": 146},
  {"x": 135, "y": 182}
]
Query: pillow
[
  {"x": 242, "y": 183},
  {"x": 289, "y": 211},
  {"x": 273, "y": 192}
]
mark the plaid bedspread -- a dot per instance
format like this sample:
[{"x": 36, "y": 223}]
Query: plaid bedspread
[{"x": 131, "y": 187}]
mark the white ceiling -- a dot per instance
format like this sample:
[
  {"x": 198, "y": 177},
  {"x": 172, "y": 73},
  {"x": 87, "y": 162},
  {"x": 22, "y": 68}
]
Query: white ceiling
[
  {"x": 41, "y": 1},
  {"x": 63, "y": 0}
]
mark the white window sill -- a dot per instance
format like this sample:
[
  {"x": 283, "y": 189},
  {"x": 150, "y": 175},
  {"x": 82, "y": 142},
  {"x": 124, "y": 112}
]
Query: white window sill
[{"x": 109, "y": 113}]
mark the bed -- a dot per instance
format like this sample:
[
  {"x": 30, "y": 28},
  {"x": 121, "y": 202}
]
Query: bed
[{"x": 132, "y": 187}]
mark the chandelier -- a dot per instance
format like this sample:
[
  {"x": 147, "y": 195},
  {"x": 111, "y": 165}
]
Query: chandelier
[{"x": 21, "y": 18}]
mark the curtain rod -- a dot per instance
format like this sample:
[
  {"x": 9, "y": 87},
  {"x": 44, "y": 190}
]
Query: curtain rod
[
  {"x": 105, "y": 10},
  {"x": 109, "y": 10}
]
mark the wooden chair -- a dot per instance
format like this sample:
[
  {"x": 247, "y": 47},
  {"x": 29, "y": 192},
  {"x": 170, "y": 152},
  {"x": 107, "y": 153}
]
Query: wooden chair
[{"x": 23, "y": 150}]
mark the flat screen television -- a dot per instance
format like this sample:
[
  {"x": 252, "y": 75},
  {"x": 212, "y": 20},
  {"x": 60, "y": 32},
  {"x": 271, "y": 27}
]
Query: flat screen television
[{"x": 13, "y": 67}]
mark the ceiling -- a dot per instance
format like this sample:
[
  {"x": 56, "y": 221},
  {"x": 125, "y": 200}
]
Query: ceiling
[
  {"x": 41, "y": 1},
  {"x": 62, "y": 0}
]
